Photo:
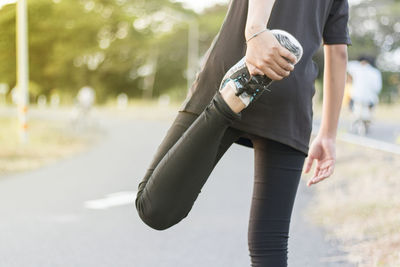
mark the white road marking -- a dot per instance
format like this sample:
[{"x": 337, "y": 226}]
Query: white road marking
[
  {"x": 364, "y": 141},
  {"x": 369, "y": 142},
  {"x": 112, "y": 200}
]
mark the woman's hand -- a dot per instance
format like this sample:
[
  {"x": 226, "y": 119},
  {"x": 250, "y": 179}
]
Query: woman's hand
[
  {"x": 324, "y": 151},
  {"x": 265, "y": 55}
]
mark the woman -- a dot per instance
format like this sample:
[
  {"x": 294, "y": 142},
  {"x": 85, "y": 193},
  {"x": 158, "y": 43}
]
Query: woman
[{"x": 277, "y": 125}]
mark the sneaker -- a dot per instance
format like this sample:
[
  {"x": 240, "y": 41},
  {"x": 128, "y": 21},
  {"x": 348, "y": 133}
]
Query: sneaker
[{"x": 248, "y": 88}]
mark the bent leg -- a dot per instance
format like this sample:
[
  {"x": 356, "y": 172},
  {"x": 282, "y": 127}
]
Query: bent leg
[
  {"x": 277, "y": 174},
  {"x": 180, "y": 124},
  {"x": 172, "y": 185}
]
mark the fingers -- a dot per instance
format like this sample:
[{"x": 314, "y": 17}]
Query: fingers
[
  {"x": 272, "y": 64},
  {"x": 283, "y": 64},
  {"x": 263, "y": 69},
  {"x": 268, "y": 56},
  {"x": 321, "y": 174},
  {"x": 272, "y": 74},
  {"x": 275, "y": 67},
  {"x": 253, "y": 70},
  {"x": 270, "y": 68},
  {"x": 287, "y": 54},
  {"x": 309, "y": 163}
]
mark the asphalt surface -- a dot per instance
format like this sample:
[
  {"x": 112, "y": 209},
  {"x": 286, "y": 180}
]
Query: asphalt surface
[
  {"x": 80, "y": 212},
  {"x": 381, "y": 131}
]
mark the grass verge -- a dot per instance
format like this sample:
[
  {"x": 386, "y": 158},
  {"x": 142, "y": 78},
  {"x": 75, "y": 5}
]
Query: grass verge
[
  {"x": 48, "y": 141},
  {"x": 360, "y": 205}
]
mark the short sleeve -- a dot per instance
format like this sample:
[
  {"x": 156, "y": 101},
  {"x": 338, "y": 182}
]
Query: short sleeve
[{"x": 336, "y": 29}]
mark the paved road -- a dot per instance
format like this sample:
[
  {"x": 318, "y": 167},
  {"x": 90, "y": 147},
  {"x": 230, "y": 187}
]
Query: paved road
[
  {"x": 64, "y": 215},
  {"x": 382, "y": 131}
]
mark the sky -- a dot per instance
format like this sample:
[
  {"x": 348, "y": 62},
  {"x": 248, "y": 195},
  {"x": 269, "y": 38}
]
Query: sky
[
  {"x": 199, "y": 5},
  {"x": 5, "y": 2}
]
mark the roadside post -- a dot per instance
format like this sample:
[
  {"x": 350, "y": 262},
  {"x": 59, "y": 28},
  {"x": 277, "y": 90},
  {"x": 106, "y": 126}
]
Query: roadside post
[{"x": 22, "y": 69}]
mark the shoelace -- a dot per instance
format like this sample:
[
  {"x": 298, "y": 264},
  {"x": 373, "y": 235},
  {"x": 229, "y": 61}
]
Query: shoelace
[{"x": 253, "y": 86}]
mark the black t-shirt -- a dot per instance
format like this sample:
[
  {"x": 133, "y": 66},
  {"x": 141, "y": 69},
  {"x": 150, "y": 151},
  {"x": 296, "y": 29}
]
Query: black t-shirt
[{"x": 285, "y": 114}]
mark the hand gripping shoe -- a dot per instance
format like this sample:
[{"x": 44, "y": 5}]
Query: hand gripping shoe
[{"x": 248, "y": 88}]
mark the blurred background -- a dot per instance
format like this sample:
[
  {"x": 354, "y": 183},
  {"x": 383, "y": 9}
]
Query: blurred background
[
  {"x": 142, "y": 48},
  {"x": 97, "y": 68}
]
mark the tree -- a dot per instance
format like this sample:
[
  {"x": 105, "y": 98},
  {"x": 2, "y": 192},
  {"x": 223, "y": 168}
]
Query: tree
[{"x": 100, "y": 43}]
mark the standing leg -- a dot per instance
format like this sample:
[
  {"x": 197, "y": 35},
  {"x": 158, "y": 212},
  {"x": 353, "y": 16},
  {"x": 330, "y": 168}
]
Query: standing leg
[
  {"x": 277, "y": 173},
  {"x": 171, "y": 186}
]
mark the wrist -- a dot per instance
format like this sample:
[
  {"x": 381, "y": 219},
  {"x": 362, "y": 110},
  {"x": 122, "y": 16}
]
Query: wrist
[
  {"x": 252, "y": 29},
  {"x": 326, "y": 135}
]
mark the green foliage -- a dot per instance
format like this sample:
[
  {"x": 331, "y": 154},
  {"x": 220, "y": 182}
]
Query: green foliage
[
  {"x": 103, "y": 44},
  {"x": 7, "y": 45},
  {"x": 375, "y": 31},
  {"x": 391, "y": 87},
  {"x": 126, "y": 46}
]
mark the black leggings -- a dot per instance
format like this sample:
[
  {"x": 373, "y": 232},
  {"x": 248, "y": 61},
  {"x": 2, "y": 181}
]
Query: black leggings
[{"x": 186, "y": 157}]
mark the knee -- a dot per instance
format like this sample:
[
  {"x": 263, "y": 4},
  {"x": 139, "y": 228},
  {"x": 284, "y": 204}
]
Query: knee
[{"x": 156, "y": 217}]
